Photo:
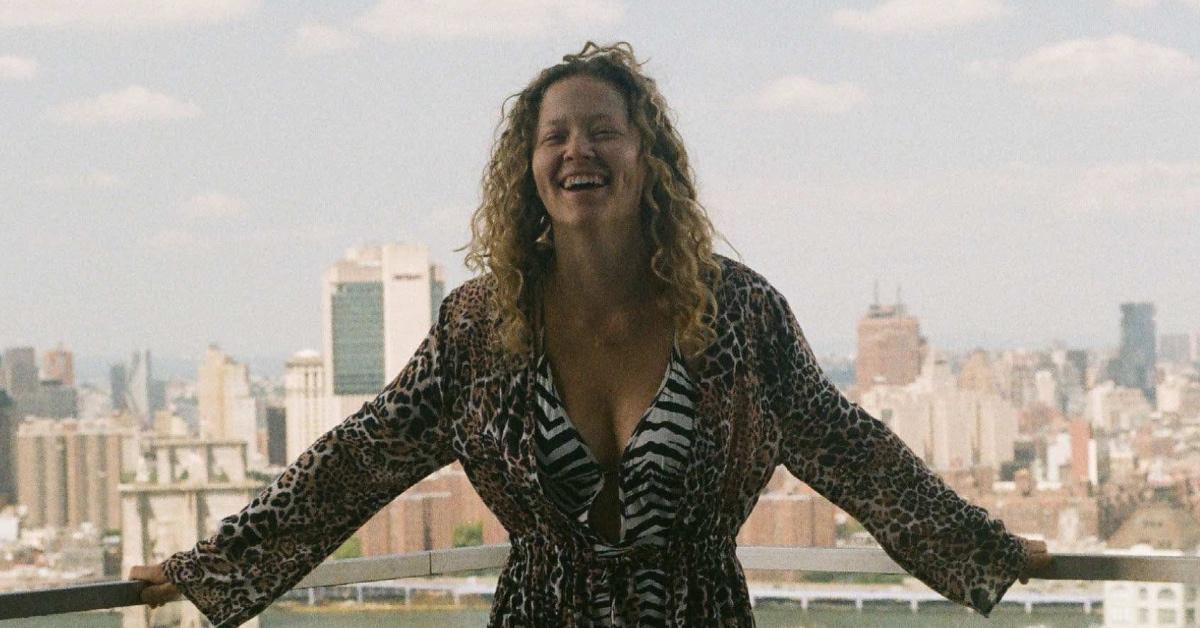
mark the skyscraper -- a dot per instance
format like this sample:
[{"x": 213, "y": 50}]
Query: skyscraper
[
  {"x": 58, "y": 364},
  {"x": 118, "y": 379},
  {"x": 226, "y": 408},
  {"x": 304, "y": 399},
  {"x": 8, "y": 443},
  {"x": 69, "y": 471},
  {"x": 19, "y": 378},
  {"x": 137, "y": 388},
  {"x": 1134, "y": 366},
  {"x": 376, "y": 308},
  {"x": 19, "y": 375},
  {"x": 890, "y": 347},
  {"x": 277, "y": 436}
]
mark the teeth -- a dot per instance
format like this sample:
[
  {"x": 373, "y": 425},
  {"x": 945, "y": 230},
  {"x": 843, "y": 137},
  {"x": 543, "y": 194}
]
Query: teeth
[{"x": 583, "y": 179}]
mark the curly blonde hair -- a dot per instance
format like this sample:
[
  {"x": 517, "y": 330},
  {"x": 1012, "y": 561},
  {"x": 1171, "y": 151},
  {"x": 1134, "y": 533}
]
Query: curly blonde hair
[{"x": 511, "y": 215}]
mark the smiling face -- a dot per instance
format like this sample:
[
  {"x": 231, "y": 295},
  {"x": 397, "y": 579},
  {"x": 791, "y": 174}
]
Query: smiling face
[{"x": 586, "y": 160}]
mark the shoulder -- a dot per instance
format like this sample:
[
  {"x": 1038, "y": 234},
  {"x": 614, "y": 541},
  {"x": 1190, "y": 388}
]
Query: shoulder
[
  {"x": 467, "y": 309},
  {"x": 469, "y": 299},
  {"x": 745, "y": 290}
]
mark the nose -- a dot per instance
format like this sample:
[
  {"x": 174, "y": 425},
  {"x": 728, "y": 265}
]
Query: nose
[{"x": 580, "y": 146}]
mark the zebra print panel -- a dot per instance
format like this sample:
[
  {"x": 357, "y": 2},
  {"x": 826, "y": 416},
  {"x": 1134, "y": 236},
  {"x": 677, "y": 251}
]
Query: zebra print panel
[{"x": 649, "y": 480}]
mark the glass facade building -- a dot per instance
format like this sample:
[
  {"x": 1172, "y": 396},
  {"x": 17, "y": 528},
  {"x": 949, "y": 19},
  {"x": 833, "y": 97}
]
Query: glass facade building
[{"x": 358, "y": 344}]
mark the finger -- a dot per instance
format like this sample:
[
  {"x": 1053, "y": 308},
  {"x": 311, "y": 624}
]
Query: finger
[
  {"x": 149, "y": 573},
  {"x": 159, "y": 594}
]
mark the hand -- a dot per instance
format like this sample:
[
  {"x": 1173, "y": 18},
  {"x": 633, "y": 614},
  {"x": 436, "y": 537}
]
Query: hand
[
  {"x": 1039, "y": 559},
  {"x": 158, "y": 590}
]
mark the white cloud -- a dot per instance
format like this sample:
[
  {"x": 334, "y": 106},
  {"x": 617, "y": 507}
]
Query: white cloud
[
  {"x": 213, "y": 205},
  {"x": 1100, "y": 71},
  {"x": 132, "y": 104},
  {"x": 119, "y": 14},
  {"x": 512, "y": 19},
  {"x": 920, "y": 16},
  {"x": 803, "y": 93},
  {"x": 319, "y": 39},
  {"x": 14, "y": 68}
]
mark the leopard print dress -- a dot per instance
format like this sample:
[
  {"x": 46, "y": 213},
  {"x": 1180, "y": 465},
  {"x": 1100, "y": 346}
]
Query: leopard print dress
[{"x": 761, "y": 401}]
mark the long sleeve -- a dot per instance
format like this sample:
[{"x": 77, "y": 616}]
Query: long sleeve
[
  {"x": 347, "y": 475},
  {"x": 859, "y": 464}
]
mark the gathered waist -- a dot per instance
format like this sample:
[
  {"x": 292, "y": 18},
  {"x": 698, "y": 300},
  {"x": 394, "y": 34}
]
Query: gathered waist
[{"x": 581, "y": 551}]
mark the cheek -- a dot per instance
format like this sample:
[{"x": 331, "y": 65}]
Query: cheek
[{"x": 541, "y": 174}]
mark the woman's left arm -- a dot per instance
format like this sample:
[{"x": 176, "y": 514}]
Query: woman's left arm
[{"x": 864, "y": 468}]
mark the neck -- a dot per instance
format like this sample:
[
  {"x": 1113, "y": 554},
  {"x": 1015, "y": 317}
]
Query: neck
[{"x": 595, "y": 277}]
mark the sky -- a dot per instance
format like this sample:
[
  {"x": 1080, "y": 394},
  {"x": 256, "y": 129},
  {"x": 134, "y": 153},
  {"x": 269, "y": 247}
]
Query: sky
[{"x": 175, "y": 174}]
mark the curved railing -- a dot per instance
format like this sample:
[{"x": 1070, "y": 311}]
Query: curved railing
[{"x": 1183, "y": 569}]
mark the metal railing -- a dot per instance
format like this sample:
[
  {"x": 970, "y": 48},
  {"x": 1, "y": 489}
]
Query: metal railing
[{"x": 1182, "y": 569}]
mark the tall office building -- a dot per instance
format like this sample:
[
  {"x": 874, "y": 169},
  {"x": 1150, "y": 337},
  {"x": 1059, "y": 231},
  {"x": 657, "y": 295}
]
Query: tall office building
[
  {"x": 8, "y": 446},
  {"x": 276, "y": 436},
  {"x": 890, "y": 347},
  {"x": 137, "y": 387},
  {"x": 19, "y": 372},
  {"x": 118, "y": 380},
  {"x": 32, "y": 396},
  {"x": 68, "y": 471},
  {"x": 1134, "y": 366},
  {"x": 58, "y": 364},
  {"x": 304, "y": 402},
  {"x": 226, "y": 408},
  {"x": 948, "y": 425},
  {"x": 376, "y": 308}
]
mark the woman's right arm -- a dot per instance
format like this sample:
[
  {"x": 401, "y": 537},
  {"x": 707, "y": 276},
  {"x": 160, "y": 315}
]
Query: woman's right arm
[{"x": 346, "y": 476}]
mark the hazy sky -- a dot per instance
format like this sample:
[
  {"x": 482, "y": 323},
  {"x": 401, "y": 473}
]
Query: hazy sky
[{"x": 174, "y": 176}]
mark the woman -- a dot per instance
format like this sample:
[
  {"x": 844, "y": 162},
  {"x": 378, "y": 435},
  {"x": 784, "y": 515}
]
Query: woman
[{"x": 617, "y": 394}]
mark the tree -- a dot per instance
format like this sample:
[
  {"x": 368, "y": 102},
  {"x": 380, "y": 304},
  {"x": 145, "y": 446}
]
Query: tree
[
  {"x": 468, "y": 534},
  {"x": 352, "y": 548}
]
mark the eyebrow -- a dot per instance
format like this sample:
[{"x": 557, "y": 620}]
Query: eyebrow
[{"x": 560, "y": 120}]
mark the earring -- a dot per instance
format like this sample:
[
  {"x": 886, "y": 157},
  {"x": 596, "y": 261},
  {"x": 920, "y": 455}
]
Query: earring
[{"x": 545, "y": 242}]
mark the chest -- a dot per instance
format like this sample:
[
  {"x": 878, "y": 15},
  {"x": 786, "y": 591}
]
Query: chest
[{"x": 607, "y": 383}]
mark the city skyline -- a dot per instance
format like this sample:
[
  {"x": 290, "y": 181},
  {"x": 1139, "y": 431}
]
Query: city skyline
[{"x": 177, "y": 179}]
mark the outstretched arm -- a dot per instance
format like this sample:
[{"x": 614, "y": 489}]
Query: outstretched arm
[
  {"x": 347, "y": 475},
  {"x": 859, "y": 464}
]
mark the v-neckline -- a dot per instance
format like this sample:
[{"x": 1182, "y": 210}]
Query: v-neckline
[{"x": 545, "y": 369}]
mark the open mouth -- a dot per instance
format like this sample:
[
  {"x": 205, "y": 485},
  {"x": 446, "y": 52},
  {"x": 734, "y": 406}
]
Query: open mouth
[{"x": 581, "y": 182}]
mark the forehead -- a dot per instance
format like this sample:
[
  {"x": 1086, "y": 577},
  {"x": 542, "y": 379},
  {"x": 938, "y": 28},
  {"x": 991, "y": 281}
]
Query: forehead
[{"x": 581, "y": 99}]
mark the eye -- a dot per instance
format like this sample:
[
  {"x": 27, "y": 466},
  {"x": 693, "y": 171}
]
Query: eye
[
  {"x": 605, "y": 133},
  {"x": 552, "y": 137}
]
